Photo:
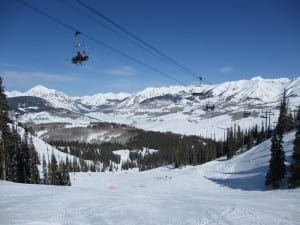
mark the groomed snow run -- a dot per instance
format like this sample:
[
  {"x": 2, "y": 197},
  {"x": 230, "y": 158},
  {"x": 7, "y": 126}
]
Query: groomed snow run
[{"x": 219, "y": 192}]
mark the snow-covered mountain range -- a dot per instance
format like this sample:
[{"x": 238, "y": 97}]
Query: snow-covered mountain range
[
  {"x": 190, "y": 195},
  {"x": 180, "y": 109}
]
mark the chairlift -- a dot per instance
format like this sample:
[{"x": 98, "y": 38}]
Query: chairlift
[
  {"x": 196, "y": 94},
  {"x": 80, "y": 50},
  {"x": 210, "y": 107}
]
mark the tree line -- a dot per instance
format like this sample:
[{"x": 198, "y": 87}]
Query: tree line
[
  {"x": 101, "y": 156},
  {"x": 19, "y": 159},
  {"x": 178, "y": 150}
]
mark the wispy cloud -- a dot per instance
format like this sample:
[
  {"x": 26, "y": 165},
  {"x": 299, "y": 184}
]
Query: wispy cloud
[
  {"x": 226, "y": 69},
  {"x": 123, "y": 85},
  {"x": 23, "y": 80},
  {"x": 121, "y": 71},
  {"x": 36, "y": 76},
  {"x": 8, "y": 65}
]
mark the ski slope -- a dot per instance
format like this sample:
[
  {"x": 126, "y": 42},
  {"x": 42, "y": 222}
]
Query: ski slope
[{"x": 218, "y": 192}]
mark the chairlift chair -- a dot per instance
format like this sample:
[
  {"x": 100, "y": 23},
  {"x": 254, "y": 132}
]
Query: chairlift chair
[{"x": 80, "y": 52}]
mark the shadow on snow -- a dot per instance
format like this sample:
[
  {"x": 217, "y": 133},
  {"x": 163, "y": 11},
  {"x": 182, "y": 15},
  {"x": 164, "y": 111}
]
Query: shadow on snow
[{"x": 250, "y": 180}]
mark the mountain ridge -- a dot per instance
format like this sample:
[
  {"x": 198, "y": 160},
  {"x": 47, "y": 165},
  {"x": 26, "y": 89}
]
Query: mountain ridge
[
  {"x": 244, "y": 86},
  {"x": 41, "y": 90},
  {"x": 179, "y": 109}
]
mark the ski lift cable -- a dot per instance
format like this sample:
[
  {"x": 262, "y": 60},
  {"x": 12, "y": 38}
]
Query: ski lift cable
[
  {"x": 132, "y": 58},
  {"x": 100, "y": 23},
  {"x": 140, "y": 40},
  {"x": 153, "y": 49},
  {"x": 133, "y": 41},
  {"x": 47, "y": 15},
  {"x": 101, "y": 43},
  {"x": 137, "y": 41}
]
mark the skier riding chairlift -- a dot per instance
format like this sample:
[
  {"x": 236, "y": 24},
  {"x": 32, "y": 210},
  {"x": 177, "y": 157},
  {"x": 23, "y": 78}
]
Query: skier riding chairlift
[{"x": 80, "y": 57}]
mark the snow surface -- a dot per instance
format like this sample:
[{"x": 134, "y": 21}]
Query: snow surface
[
  {"x": 102, "y": 98},
  {"x": 218, "y": 192}
]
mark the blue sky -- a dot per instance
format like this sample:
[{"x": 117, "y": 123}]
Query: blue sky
[{"x": 217, "y": 39}]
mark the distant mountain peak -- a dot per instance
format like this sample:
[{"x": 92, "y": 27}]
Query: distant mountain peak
[
  {"x": 39, "y": 89},
  {"x": 257, "y": 78}
]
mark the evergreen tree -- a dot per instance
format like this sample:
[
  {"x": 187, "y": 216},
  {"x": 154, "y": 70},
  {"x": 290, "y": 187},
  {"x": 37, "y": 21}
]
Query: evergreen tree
[
  {"x": 45, "y": 179},
  {"x": 25, "y": 160},
  {"x": 66, "y": 175},
  {"x": 230, "y": 144},
  {"x": 255, "y": 133},
  {"x": 111, "y": 167},
  {"x": 13, "y": 156},
  {"x": 62, "y": 175},
  {"x": 34, "y": 162},
  {"x": 212, "y": 151},
  {"x": 67, "y": 163},
  {"x": 249, "y": 141},
  {"x": 53, "y": 169},
  {"x": 4, "y": 132},
  {"x": 294, "y": 180},
  {"x": 239, "y": 137},
  {"x": 12, "y": 168},
  {"x": 15, "y": 160},
  {"x": 277, "y": 169},
  {"x": 284, "y": 121}
]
